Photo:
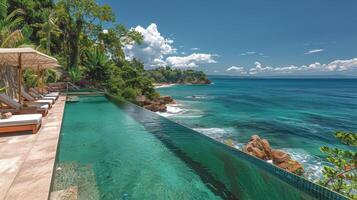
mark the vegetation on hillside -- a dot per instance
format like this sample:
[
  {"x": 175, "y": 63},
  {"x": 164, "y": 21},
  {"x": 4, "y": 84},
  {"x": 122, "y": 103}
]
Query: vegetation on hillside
[
  {"x": 341, "y": 175},
  {"x": 170, "y": 75},
  {"x": 92, "y": 56}
]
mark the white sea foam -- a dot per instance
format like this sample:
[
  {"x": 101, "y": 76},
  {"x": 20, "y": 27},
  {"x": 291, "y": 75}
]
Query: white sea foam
[
  {"x": 313, "y": 165},
  {"x": 163, "y": 86},
  {"x": 172, "y": 110},
  {"x": 215, "y": 133}
]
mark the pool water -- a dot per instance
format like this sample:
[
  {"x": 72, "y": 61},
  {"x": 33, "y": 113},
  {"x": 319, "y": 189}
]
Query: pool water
[
  {"x": 126, "y": 161},
  {"x": 121, "y": 151}
]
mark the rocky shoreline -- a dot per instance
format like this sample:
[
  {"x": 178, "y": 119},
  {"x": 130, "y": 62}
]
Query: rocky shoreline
[
  {"x": 158, "y": 105},
  {"x": 260, "y": 148}
]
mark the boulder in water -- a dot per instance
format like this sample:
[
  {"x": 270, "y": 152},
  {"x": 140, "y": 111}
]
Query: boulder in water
[{"x": 260, "y": 148}]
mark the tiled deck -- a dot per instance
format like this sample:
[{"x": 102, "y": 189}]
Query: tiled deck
[{"x": 27, "y": 161}]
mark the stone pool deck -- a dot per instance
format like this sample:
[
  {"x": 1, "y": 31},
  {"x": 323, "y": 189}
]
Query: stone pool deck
[{"x": 27, "y": 161}]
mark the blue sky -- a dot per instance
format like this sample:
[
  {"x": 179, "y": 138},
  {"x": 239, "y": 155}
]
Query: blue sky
[{"x": 245, "y": 37}]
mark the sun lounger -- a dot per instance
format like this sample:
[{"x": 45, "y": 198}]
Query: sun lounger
[
  {"x": 45, "y": 94},
  {"x": 30, "y": 98},
  {"x": 17, "y": 123},
  {"x": 41, "y": 97},
  {"x": 17, "y": 108}
]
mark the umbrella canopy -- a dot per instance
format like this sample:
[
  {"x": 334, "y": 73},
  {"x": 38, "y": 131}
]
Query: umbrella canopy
[
  {"x": 30, "y": 58},
  {"x": 23, "y": 58}
]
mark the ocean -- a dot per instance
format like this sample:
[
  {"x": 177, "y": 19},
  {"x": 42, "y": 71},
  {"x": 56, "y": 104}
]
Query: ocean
[{"x": 296, "y": 115}]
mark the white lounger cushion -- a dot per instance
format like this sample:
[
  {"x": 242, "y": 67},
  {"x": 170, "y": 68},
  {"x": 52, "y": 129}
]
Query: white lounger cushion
[
  {"x": 49, "y": 98},
  {"x": 18, "y": 120},
  {"x": 45, "y": 106},
  {"x": 52, "y": 94},
  {"x": 44, "y": 101}
]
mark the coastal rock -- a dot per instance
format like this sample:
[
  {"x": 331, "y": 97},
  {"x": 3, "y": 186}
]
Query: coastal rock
[
  {"x": 266, "y": 147},
  {"x": 292, "y": 166},
  {"x": 280, "y": 156},
  {"x": 260, "y": 148},
  {"x": 156, "y": 107},
  {"x": 167, "y": 100}
]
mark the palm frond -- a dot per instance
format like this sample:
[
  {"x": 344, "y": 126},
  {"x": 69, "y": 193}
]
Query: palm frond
[
  {"x": 14, "y": 14},
  {"x": 3, "y": 8},
  {"x": 13, "y": 39}
]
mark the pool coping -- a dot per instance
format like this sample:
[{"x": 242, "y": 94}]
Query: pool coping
[{"x": 28, "y": 160}]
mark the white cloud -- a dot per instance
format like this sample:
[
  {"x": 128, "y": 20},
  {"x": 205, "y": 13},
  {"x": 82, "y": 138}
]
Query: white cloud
[
  {"x": 193, "y": 60},
  {"x": 195, "y": 49},
  {"x": 336, "y": 66},
  {"x": 314, "y": 51},
  {"x": 153, "y": 48},
  {"x": 240, "y": 70},
  {"x": 156, "y": 51}
]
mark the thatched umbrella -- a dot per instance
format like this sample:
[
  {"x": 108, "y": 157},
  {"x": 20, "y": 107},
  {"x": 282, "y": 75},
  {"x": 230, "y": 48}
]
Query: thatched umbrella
[{"x": 23, "y": 58}]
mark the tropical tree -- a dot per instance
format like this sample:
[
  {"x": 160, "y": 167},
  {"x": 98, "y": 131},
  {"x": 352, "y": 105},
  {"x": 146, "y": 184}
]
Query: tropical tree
[
  {"x": 96, "y": 66},
  {"x": 78, "y": 19},
  {"x": 341, "y": 175},
  {"x": 75, "y": 75},
  {"x": 10, "y": 31},
  {"x": 48, "y": 29},
  {"x": 113, "y": 40},
  {"x": 34, "y": 13}
]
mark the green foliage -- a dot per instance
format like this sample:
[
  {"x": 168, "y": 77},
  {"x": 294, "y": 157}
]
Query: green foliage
[
  {"x": 341, "y": 176},
  {"x": 96, "y": 66},
  {"x": 129, "y": 93},
  {"x": 51, "y": 75},
  {"x": 74, "y": 75},
  {"x": 347, "y": 138},
  {"x": 30, "y": 78},
  {"x": 10, "y": 31},
  {"x": 48, "y": 29},
  {"x": 71, "y": 31},
  {"x": 78, "y": 21},
  {"x": 115, "y": 38},
  {"x": 2, "y": 90},
  {"x": 169, "y": 75}
]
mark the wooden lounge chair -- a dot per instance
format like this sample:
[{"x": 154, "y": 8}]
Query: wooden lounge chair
[
  {"x": 30, "y": 98},
  {"x": 17, "y": 108},
  {"x": 18, "y": 123},
  {"x": 41, "y": 97},
  {"x": 44, "y": 94}
]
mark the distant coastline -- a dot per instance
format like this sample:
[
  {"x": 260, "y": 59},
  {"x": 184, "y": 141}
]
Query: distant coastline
[{"x": 285, "y": 77}]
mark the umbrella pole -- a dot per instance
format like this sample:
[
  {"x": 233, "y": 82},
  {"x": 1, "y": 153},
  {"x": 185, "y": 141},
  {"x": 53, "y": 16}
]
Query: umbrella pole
[{"x": 20, "y": 77}]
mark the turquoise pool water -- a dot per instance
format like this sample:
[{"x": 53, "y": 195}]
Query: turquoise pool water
[
  {"x": 120, "y": 151},
  {"x": 121, "y": 157}
]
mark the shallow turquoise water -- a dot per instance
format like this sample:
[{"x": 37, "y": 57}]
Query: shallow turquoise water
[
  {"x": 297, "y": 115},
  {"x": 126, "y": 162},
  {"x": 120, "y": 151}
]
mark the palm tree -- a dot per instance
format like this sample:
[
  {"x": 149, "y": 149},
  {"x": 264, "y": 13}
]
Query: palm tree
[
  {"x": 96, "y": 66},
  {"x": 48, "y": 29},
  {"x": 10, "y": 33}
]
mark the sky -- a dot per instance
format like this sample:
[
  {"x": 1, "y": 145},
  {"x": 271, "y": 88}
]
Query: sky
[{"x": 244, "y": 37}]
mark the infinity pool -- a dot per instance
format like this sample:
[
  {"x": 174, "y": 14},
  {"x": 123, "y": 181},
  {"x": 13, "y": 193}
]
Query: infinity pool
[{"x": 120, "y": 151}]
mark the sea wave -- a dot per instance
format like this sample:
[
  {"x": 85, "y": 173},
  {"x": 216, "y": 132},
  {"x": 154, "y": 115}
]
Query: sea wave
[
  {"x": 214, "y": 133},
  {"x": 198, "y": 97},
  {"x": 163, "y": 86},
  {"x": 313, "y": 165},
  {"x": 172, "y": 110}
]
